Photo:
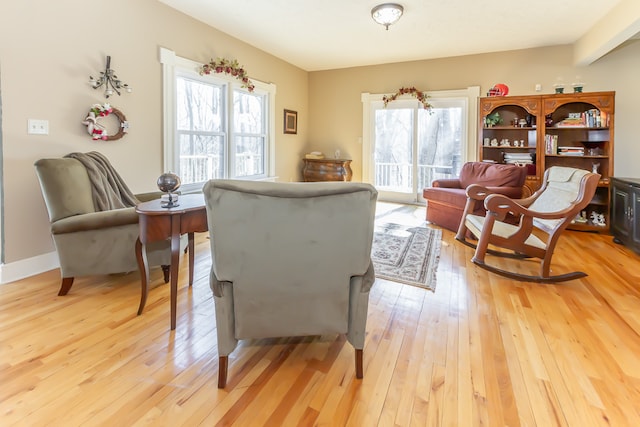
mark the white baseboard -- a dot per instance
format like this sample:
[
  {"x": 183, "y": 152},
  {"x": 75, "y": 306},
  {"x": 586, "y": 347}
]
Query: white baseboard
[{"x": 28, "y": 267}]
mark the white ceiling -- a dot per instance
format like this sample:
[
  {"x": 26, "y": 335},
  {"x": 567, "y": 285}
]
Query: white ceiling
[{"x": 329, "y": 34}]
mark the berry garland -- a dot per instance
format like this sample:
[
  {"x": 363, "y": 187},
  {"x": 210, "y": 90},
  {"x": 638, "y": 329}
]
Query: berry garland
[
  {"x": 221, "y": 65},
  {"x": 420, "y": 95}
]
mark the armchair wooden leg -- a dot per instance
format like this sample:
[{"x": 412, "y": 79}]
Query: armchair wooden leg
[
  {"x": 166, "y": 269},
  {"x": 65, "y": 286},
  {"x": 223, "y": 363},
  {"x": 359, "y": 373}
]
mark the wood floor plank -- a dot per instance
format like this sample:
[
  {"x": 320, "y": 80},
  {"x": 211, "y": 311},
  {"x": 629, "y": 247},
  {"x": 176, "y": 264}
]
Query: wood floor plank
[{"x": 480, "y": 350}]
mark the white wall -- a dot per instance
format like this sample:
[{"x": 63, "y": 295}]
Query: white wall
[{"x": 336, "y": 107}]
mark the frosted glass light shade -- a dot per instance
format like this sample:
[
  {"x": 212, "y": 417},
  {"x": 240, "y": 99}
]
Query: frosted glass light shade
[{"x": 387, "y": 13}]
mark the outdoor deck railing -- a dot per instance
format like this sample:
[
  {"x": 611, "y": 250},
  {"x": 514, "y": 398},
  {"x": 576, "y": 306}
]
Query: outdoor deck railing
[
  {"x": 400, "y": 175},
  {"x": 199, "y": 168}
]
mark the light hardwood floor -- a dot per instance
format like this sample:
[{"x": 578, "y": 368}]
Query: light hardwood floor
[{"x": 479, "y": 351}]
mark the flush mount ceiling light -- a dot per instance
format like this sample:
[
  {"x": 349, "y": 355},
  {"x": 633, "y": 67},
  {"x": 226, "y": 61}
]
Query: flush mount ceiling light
[{"x": 387, "y": 14}]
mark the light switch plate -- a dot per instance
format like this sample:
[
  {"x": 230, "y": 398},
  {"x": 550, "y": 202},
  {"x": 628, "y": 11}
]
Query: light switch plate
[{"x": 38, "y": 127}]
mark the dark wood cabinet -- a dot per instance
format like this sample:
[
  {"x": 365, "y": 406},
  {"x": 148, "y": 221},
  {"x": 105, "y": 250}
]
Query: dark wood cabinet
[
  {"x": 625, "y": 212},
  {"x": 326, "y": 170}
]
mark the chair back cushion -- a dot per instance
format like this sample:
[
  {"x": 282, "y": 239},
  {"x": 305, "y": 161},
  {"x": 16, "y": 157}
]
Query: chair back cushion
[
  {"x": 65, "y": 187},
  {"x": 492, "y": 175},
  {"x": 290, "y": 250},
  {"x": 562, "y": 189}
]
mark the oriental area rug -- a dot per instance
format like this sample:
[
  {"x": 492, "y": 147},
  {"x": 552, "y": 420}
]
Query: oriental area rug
[{"x": 406, "y": 254}]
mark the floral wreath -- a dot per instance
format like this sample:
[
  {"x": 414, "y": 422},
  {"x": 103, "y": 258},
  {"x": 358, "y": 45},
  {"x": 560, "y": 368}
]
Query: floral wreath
[
  {"x": 98, "y": 130},
  {"x": 222, "y": 65},
  {"x": 420, "y": 95}
]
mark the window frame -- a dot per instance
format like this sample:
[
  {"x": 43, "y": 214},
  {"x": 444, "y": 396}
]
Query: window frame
[
  {"x": 174, "y": 66},
  {"x": 235, "y": 134},
  {"x": 372, "y": 101}
]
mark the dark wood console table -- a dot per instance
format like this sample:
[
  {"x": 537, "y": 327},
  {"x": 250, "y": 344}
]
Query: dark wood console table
[
  {"x": 625, "y": 212},
  {"x": 326, "y": 170},
  {"x": 157, "y": 223}
]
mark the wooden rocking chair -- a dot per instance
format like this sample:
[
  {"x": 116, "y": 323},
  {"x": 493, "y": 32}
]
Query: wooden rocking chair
[{"x": 541, "y": 219}]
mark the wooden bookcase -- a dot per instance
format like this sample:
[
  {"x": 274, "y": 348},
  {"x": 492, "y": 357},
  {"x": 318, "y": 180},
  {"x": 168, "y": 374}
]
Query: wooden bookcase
[
  {"x": 587, "y": 141},
  {"x": 574, "y": 130},
  {"x": 493, "y": 137}
]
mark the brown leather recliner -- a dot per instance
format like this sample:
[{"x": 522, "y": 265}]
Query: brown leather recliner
[{"x": 446, "y": 198}]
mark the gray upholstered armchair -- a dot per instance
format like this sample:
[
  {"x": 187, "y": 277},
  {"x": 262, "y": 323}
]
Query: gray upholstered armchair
[
  {"x": 90, "y": 241},
  {"x": 290, "y": 259}
]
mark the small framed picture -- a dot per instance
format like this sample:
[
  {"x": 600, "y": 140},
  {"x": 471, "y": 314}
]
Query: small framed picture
[{"x": 290, "y": 121}]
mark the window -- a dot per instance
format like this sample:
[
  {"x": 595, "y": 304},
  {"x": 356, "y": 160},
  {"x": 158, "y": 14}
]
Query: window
[
  {"x": 214, "y": 128},
  {"x": 406, "y": 147},
  {"x": 249, "y": 137}
]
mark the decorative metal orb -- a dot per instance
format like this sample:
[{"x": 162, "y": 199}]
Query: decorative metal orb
[{"x": 168, "y": 182}]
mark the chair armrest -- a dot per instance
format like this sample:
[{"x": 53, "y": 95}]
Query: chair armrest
[
  {"x": 477, "y": 192},
  {"x": 497, "y": 203},
  {"x": 447, "y": 183},
  {"x": 368, "y": 279},
  {"x": 512, "y": 192},
  {"x": 217, "y": 286},
  {"x": 95, "y": 221}
]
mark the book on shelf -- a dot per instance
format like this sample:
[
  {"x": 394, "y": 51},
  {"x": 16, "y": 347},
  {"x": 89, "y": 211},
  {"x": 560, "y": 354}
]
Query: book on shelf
[
  {"x": 592, "y": 118},
  {"x": 551, "y": 144},
  {"x": 571, "y": 151},
  {"x": 595, "y": 118},
  {"x": 571, "y": 122},
  {"x": 518, "y": 162},
  {"x": 518, "y": 156}
]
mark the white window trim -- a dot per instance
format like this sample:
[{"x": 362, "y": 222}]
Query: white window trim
[
  {"x": 471, "y": 94},
  {"x": 170, "y": 64}
]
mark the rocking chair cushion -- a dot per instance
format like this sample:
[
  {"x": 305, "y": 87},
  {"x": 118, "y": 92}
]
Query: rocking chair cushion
[
  {"x": 562, "y": 186},
  {"x": 501, "y": 229}
]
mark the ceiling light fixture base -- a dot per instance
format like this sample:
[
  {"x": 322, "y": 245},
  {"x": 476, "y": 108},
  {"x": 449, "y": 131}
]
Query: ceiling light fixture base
[{"x": 387, "y": 14}]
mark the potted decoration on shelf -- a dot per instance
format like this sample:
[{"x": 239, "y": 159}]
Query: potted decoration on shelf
[{"x": 493, "y": 119}]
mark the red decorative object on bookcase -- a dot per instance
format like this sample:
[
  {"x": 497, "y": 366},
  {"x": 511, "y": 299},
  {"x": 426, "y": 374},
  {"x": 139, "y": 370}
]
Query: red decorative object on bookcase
[{"x": 499, "y": 89}]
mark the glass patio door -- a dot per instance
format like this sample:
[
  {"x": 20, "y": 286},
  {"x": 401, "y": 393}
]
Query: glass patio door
[{"x": 412, "y": 146}]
